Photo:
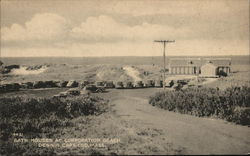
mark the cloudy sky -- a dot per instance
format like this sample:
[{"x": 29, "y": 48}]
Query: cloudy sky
[{"x": 124, "y": 27}]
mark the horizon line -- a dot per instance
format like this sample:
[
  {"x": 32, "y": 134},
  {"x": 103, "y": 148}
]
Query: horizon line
[{"x": 128, "y": 56}]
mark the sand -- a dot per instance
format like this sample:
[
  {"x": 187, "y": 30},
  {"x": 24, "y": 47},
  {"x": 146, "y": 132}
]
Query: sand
[
  {"x": 132, "y": 72},
  {"x": 23, "y": 71}
]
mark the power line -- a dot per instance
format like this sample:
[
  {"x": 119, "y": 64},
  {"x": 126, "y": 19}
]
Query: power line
[{"x": 164, "y": 57}]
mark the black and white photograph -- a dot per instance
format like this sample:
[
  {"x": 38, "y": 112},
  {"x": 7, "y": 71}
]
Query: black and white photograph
[{"x": 124, "y": 77}]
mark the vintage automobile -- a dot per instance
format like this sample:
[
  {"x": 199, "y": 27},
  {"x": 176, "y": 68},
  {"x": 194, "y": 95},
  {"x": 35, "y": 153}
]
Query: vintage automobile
[
  {"x": 94, "y": 88},
  {"x": 128, "y": 85},
  {"x": 109, "y": 84},
  {"x": 138, "y": 84},
  {"x": 149, "y": 83},
  {"x": 119, "y": 85}
]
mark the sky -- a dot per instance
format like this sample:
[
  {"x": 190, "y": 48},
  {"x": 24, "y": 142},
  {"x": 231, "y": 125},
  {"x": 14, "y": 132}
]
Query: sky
[{"x": 79, "y": 28}]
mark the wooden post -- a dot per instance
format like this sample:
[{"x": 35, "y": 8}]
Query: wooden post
[{"x": 164, "y": 59}]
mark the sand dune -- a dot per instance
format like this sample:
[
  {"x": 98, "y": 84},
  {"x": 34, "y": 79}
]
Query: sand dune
[
  {"x": 132, "y": 72},
  {"x": 23, "y": 71}
]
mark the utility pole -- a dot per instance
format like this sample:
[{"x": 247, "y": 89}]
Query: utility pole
[{"x": 164, "y": 57}]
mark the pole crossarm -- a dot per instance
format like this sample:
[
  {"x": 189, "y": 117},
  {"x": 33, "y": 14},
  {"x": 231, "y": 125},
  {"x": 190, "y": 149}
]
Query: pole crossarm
[{"x": 164, "y": 41}]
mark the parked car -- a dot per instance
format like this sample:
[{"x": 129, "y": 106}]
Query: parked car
[
  {"x": 100, "y": 83},
  {"x": 170, "y": 83},
  {"x": 119, "y": 85},
  {"x": 128, "y": 85},
  {"x": 94, "y": 88},
  {"x": 109, "y": 84},
  {"x": 138, "y": 84},
  {"x": 158, "y": 83},
  {"x": 149, "y": 83}
]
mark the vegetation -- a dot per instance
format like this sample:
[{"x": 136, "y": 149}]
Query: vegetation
[
  {"x": 41, "y": 117},
  {"x": 232, "y": 104}
]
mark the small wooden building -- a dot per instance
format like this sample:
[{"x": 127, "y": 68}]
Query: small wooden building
[
  {"x": 208, "y": 70},
  {"x": 223, "y": 65}
]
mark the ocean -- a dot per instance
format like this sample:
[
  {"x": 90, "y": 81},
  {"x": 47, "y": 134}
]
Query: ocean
[{"x": 124, "y": 60}]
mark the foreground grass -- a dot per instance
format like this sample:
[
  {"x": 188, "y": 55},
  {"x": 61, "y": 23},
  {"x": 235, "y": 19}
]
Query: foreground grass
[
  {"x": 232, "y": 104},
  {"x": 86, "y": 117},
  {"x": 126, "y": 138},
  {"x": 27, "y": 118}
]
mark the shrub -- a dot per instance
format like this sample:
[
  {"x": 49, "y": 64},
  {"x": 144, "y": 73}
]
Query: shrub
[
  {"x": 241, "y": 116},
  {"x": 21, "y": 106},
  {"x": 34, "y": 115},
  {"x": 231, "y": 104},
  {"x": 39, "y": 117}
]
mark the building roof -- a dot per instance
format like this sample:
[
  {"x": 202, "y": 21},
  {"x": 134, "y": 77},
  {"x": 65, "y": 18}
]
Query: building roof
[
  {"x": 210, "y": 65},
  {"x": 221, "y": 62},
  {"x": 185, "y": 62},
  {"x": 199, "y": 61}
]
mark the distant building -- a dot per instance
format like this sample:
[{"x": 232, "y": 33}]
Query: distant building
[
  {"x": 208, "y": 70},
  {"x": 184, "y": 66},
  {"x": 223, "y": 65},
  {"x": 208, "y": 67}
]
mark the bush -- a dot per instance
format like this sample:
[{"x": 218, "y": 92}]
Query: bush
[
  {"x": 39, "y": 117},
  {"x": 231, "y": 104},
  {"x": 22, "y": 107},
  {"x": 241, "y": 116},
  {"x": 35, "y": 115}
]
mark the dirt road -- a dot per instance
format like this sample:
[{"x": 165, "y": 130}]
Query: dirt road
[{"x": 196, "y": 135}]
